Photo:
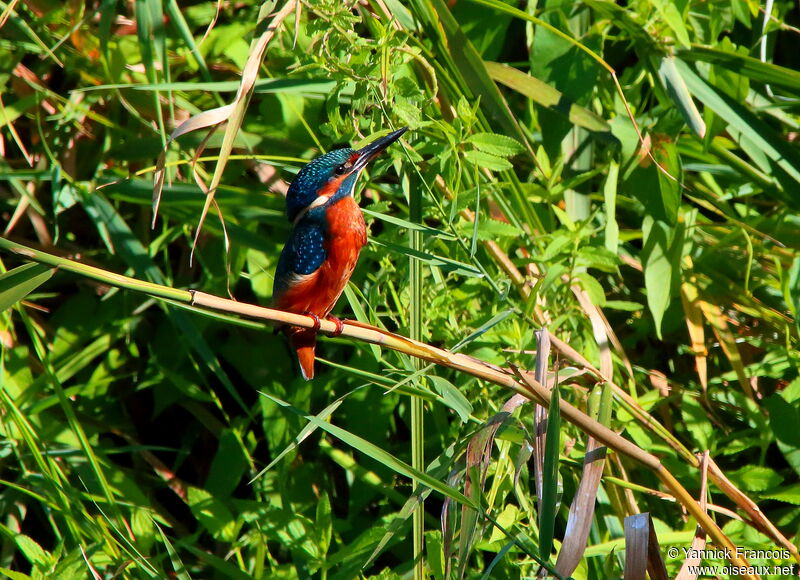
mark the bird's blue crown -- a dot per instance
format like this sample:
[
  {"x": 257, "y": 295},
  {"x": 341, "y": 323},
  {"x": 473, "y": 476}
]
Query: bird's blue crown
[{"x": 311, "y": 178}]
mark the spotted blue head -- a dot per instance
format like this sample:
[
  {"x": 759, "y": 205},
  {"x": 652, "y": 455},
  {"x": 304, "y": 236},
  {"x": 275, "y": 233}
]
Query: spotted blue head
[{"x": 332, "y": 176}]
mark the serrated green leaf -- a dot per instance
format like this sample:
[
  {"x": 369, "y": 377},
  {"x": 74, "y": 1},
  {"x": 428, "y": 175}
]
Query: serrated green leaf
[
  {"x": 33, "y": 552},
  {"x": 788, "y": 494},
  {"x": 755, "y": 478},
  {"x": 623, "y": 305},
  {"x": 557, "y": 245},
  {"x": 12, "y": 575},
  {"x": 487, "y": 160},
  {"x": 592, "y": 287},
  {"x": 499, "y": 145},
  {"x": 597, "y": 258},
  {"x": 490, "y": 229}
]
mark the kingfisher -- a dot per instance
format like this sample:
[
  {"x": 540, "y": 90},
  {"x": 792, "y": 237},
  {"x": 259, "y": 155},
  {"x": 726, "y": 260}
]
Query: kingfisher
[{"x": 328, "y": 232}]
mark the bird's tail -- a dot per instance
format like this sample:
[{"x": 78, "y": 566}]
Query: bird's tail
[{"x": 304, "y": 342}]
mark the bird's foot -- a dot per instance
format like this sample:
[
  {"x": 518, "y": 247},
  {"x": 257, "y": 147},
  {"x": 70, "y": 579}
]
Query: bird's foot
[
  {"x": 315, "y": 318},
  {"x": 339, "y": 325}
]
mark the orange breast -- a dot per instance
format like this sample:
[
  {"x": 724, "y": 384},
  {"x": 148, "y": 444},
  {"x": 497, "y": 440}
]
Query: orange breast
[{"x": 346, "y": 235}]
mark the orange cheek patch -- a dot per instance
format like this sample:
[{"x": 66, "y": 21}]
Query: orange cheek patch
[{"x": 332, "y": 186}]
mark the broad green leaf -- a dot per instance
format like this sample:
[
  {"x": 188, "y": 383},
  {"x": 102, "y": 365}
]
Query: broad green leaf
[
  {"x": 10, "y": 112},
  {"x": 668, "y": 198},
  {"x": 791, "y": 394},
  {"x": 228, "y": 467},
  {"x": 675, "y": 20},
  {"x": 661, "y": 256},
  {"x": 212, "y": 514},
  {"x": 784, "y": 419},
  {"x": 626, "y": 305},
  {"x": 561, "y": 243},
  {"x": 491, "y": 229},
  {"x": 790, "y": 283},
  {"x": 435, "y": 553},
  {"x": 695, "y": 421}
]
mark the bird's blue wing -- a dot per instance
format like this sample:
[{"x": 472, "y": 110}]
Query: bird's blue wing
[
  {"x": 302, "y": 255},
  {"x": 309, "y": 252}
]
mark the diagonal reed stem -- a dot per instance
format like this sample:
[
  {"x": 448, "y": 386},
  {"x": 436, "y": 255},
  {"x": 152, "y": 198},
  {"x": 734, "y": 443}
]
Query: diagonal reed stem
[{"x": 518, "y": 381}]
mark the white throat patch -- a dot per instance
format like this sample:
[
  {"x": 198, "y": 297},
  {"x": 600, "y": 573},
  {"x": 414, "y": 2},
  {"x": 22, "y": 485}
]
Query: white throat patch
[{"x": 321, "y": 200}]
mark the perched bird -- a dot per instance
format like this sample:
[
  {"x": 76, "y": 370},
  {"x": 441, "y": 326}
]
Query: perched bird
[{"x": 328, "y": 232}]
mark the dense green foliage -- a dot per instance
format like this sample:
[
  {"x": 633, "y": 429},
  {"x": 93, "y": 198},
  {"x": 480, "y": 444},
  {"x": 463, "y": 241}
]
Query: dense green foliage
[{"x": 136, "y": 431}]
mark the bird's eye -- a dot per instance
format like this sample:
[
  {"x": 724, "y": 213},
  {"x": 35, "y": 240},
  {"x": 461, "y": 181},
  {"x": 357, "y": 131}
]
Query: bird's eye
[{"x": 340, "y": 169}]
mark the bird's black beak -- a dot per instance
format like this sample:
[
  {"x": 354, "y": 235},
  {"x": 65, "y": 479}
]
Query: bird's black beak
[{"x": 371, "y": 151}]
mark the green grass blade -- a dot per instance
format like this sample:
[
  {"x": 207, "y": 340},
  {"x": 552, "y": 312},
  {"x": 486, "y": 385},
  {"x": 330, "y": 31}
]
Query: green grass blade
[
  {"x": 548, "y": 97},
  {"x": 468, "y": 63},
  {"x": 676, "y": 89},
  {"x": 136, "y": 256},
  {"x": 177, "y": 564},
  {"x": 752, "y": 68},
  {"x": 549, "y": 508},
  {"x": 376, "y": 453},
  {"x": 420, "y": 256},
  {"x": 16, "y": 284},
  {"x": 744, "y": 121}
]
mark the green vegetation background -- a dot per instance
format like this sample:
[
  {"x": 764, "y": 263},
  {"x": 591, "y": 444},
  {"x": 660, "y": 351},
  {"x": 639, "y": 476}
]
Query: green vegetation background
[{"x": 135, "y": 432}]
